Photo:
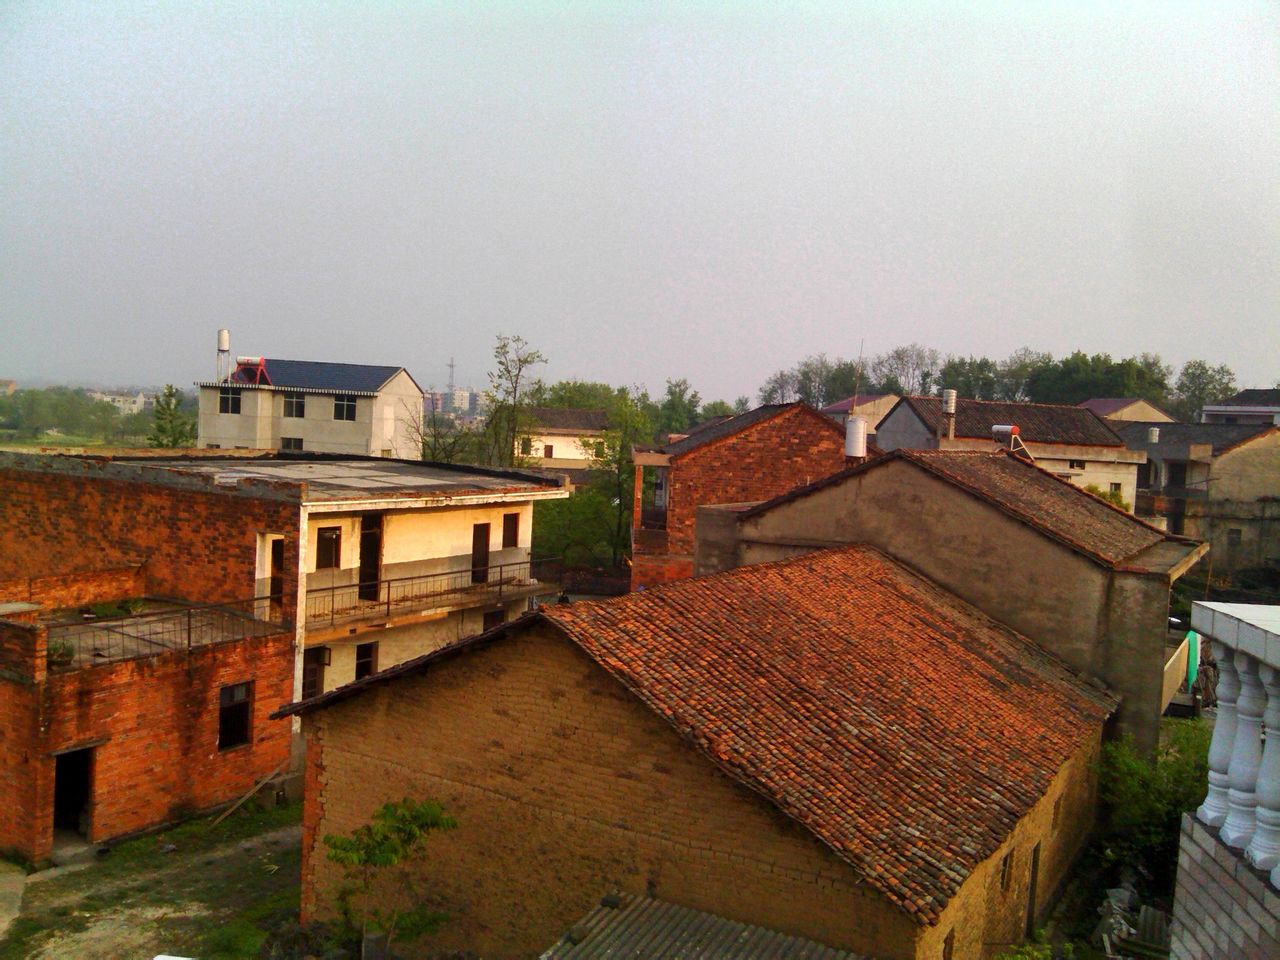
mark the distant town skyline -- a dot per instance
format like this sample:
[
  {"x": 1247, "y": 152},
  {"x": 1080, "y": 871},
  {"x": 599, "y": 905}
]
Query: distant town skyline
[{"x": 643, "y": 193}]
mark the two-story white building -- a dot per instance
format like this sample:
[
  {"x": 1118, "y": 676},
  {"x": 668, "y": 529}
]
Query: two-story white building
[{"x": 292, "y": 405}]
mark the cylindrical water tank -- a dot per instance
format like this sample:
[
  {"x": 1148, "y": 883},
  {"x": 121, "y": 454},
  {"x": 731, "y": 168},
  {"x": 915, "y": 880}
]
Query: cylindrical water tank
[
  {"x": 855, "y": 437},
  {"x": 948, "y": 401},
  {"x": 224, "y": 341}
]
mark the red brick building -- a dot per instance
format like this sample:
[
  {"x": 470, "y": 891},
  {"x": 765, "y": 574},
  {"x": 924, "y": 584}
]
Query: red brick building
[
  {"x": 155, "y": 610},
  {"x": 755, "y": 456},
  {"x": 831, "y": 747}
]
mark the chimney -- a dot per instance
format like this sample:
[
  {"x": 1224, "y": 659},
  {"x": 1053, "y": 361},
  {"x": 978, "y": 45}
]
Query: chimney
[
  {"x": 949, "y": 413},
  {"x": 855, "y": 441}
]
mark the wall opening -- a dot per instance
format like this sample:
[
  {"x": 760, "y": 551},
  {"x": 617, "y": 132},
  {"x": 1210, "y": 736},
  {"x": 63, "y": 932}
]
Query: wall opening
[{"x": 73, "y": 790}]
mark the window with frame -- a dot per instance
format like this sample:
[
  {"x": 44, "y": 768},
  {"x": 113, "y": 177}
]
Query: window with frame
[
  {"x": 548, "y": 451},
  {"x": 1076, "y": 464},
  {"x": 510, "y": 530},
  {"x": 295, "y": 404},
  {"x": 1006, "y": 870},
  {"x": 344, "y": 406},
  {"x": 290, "y": 443},
  {"x": 235, "y": 715},
  {"x": 328, "y": 548},
  {"x": 1115, "y": 488},
  {"x": 366, "y": 659},
  {"x": 228, "y": 400},
  {"x": 526, "y": 447}
]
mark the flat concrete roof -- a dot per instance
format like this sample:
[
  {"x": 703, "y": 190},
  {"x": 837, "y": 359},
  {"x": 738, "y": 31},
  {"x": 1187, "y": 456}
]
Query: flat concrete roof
[
  {"x": 358, "y": 478},
  {"x": 312, "y": 478},
  {"x": 1251, "y": 627}
]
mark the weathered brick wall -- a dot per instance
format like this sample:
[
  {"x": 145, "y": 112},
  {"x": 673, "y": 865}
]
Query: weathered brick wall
[
  {"x": 1222, "y": 908},
  {"x": 153, "y": 723},
  {"x": 196, "y": 543},
  {"x": 22, "y": 649},
  {"x": 77, "y": 589},
  {"x": 566, "y": 787},
  {"x": 19, "y": 719},
  {"x": 794, "y": 448}
]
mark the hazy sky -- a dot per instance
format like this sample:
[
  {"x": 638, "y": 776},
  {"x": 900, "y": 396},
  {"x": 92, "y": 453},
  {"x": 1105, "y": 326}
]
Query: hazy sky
[{"x": 643, "y": 191}]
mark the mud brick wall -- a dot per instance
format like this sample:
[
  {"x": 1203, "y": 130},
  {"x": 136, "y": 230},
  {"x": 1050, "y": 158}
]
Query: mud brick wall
[
  {"x": 198, "y": 544},
  {"x": 565, "y": 787}
]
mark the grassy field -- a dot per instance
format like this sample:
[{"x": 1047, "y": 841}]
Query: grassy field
[{"x": 195, "y": 890}]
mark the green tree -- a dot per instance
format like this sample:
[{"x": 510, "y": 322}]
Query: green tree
[
  {"x": 1015, "y": 371},
  {"x": 716, "y": 408},
  {"x": 171, "y": 427},
  {"x": 574, "y": 395},
  {"x": 1199, "y": 384},
  {"x": 506, "y": 397},
  {"x": 975, "y": 378},
  {"x": 378, "y": 860},
  {"x": 678, "y": 410}
]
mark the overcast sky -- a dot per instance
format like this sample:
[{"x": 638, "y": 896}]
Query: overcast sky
[{"x": 643, "y": 191}]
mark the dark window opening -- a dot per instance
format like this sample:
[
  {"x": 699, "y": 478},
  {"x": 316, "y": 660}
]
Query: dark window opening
[
  {"x": 548, "y": 451},
  {"x": 314, "y": 660},
  {"x": 366, "y": 659},
  {"x": 344, "y": 407},
  {"x": 510, "y": 530},
  {"x": 1006, "y": 870},
  {"x": 526, "y": 447},
  {"x": 949, "y": 945},
  {"x": 328, "y": 548},
  {"x": 213, "y": 446},
  {"x": 1057, "y": 810},
  {"x": 235, "y": 703},
  {"x": 295, "y": 405},
  {"x": 480, "y": 553},
  {"x": 290, "y": 443},
  {"x": 228, "y": 400},
  {"x": 494, "y": 618},
  {"x": 599, "y": 449},
  {"x": 1076, "y": 464},
  {"x": 1115, "y": 488}
]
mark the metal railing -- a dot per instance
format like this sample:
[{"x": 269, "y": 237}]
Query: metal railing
[
  {"x": 72, "y": 646},
  {"x": 466, "y": 587}
]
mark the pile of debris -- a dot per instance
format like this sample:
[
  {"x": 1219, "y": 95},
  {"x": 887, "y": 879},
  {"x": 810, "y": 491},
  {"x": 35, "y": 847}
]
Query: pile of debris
[{"x": 1128, "y": 929}]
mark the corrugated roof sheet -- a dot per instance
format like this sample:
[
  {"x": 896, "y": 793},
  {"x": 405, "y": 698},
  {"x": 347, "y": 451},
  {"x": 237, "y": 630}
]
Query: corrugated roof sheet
[
  {"x": 1037, "y": 422},
  {"x": 637, "y": 928},
  {"x": 338, "y": 377},
  {"x": 860, "y": 699}
]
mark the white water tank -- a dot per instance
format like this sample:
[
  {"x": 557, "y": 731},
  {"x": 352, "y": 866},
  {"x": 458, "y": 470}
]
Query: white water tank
[
  {"x": 224, "y": 341},
  {"x": 855, "y": 437},
  {"x": 948, "y": 401}
]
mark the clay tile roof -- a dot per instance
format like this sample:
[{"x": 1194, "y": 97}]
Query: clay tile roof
[
  {"x": 565, "y": 418},
  {"x": 724, "y": 428},
  {"x": 900, "y": 726},
  {"x": 1037, "y": 422},
  {"x": 1251, "y": 398}
]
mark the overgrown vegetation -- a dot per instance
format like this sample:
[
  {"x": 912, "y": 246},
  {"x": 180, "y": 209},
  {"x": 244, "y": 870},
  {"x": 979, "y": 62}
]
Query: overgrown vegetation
[
  {"x": 1143, "y": 800},
  {"x": 1113, "y": 497},
  {"x": 378, "y": 860}
]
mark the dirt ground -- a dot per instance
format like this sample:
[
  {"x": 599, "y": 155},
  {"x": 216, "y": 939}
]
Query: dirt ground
[{"x": 195, "y": 891}]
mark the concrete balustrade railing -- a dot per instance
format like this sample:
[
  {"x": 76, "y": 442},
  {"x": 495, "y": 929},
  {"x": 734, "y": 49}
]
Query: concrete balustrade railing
[{"x": 1243, "y": 801}]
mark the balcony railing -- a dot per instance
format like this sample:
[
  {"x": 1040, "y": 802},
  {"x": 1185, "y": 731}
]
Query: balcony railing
[
  {"x": 1243, "y": 801},
  {"x": 1176, "y": 493},
  {"x": 452, "y": 590},
  {"x": 91, "y": 643}
]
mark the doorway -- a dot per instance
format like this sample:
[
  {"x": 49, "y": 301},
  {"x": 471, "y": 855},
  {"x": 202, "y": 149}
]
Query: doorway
[
  {"x": 370, "y": 555},
  {"x": 480, "y": 553},
  {"x": 1031, "y": 891},
  {"x": 72, "y": 790},
  {"x": 277, "y": 575}
]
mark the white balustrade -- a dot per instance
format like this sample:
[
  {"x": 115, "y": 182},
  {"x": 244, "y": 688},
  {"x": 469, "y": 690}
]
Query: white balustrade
[
  {"x": 1213, "y": 811},
  {"x": 1246, "y": 755},
  {"x": 1264, "y": 849}
]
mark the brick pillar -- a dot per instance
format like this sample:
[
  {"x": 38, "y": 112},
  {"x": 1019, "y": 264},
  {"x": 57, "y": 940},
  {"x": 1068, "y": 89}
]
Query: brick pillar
[{"x": 637, "y": 500}]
